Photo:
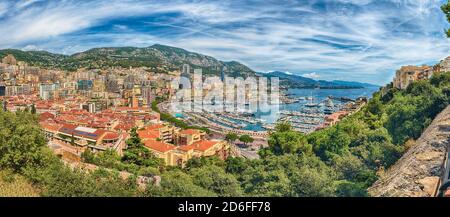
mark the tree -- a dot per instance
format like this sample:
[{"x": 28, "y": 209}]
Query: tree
[
  {"x": 333, "y": 140},
  {"x": 446, "y": 9},
  {"x": 72, "y": 140},
  {"x": 87, "y": 156},
  {"x": 33, "y": 109},
  {"x": 134, "y": 141},
  {"x": 235, "y": 165},
  {"x": 246, "y": 139},
  {"x": 215, "y": 179},
  {"x": 350, "y": 189},
  {"x": 137, "y": 154},
  {"x": 231, "y": 137},
  {"x": 283, "y": 127},
  {"x": 21, "y": 141},
  {"x": 175, "y": 183},
  {"x": 198, "y": 162},
  {"x": 374, "y": 106},
  {"x": 289, "y": 142}
]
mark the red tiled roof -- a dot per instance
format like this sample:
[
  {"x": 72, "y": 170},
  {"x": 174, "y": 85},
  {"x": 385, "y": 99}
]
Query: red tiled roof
[
  {"x": 50, "y": 127},
  {"x": 201, "y": 145},
  {"x": 190, "y": 131},
  {"x": 148, "y": 134},
  {"x": 124, "y": 126},
  {"x": 154, "y": 127},
  {"x": 45, "y": 116},
  {"x": 158, "y": 146},
  {"x": 111, "y": 136}
]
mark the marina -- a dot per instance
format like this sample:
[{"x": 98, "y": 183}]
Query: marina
[{"x": 305, "y": 109}]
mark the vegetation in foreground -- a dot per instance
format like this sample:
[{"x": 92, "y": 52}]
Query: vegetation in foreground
[
  {"x": 14, "y": 185},
  {"x": 342, "y": 160}
]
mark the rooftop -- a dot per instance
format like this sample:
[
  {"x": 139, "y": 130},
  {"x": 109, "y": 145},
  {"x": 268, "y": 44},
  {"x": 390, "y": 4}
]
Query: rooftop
[{"x": 159, "y": 146}]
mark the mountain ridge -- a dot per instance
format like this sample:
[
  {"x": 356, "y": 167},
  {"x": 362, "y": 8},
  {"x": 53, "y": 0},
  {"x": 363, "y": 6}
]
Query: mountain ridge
[
  {"x": 156, "y": 56},
  {"x": 297, "y": 81},
  {"x": 162, "y": 59}
]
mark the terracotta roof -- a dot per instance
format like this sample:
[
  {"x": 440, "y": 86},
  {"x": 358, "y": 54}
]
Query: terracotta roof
[
  {"x": 154, "y": 127},
  {"x": 337, "y": 115},
  {"x": 201, "y": 145},
  {"x": 50, "y": 127},
  {"x": 158, "y": 146},
  {"x": 190, "y": 131},
  {"x": 111, "y": 136},
  {"x": 45, "y": 116},
  {"x": 148, "y": 134}
]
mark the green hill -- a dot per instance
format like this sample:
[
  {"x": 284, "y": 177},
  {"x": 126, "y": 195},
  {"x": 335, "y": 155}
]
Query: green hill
[{"x": 160, "y": 58}]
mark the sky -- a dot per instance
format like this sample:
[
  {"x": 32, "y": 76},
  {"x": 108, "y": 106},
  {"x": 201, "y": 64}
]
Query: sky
[{"x": 358, "y": 40}]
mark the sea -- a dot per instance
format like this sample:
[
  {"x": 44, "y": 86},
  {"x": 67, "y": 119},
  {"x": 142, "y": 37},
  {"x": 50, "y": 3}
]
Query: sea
[{"x": 270, "y": 114}]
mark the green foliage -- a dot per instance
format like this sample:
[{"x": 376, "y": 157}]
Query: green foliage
[
  {"x": 341, "y": 160},
  {"x": 333, "y": 140},
  {"x": 350, "y": 189},
  {"x": 215, "y": 179},
  {"x": 289, "y": 142},
  {"x": 33, "y": 109},
  {"x": 283, "y": 127},
  {"x": 204, "y": 161},
  {"x": 88, "y": 157},
  {"x": 15, "y": 185},
  {"x": 288, "y": 175},
  {"x": 411, "y": 111},
  {"x": 176, "y": 183},
  {"x": 158, "y": 58},
  {"x": 246, "y": 139},
  {"x": 446, "y": 9},
  {"x": 374, "y": 106},
  {"x": 175, "y": 121},
  {"x": 231, "y": 137},
  {"x": 58, "y": 180},
  {"x": 137, "y": 154},
  {"x": 235, "y": 165},
  {"x": 20, "y": 141}
]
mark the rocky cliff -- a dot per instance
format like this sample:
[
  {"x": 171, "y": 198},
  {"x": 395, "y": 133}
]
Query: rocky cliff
[{"x": 418, "y": 172}]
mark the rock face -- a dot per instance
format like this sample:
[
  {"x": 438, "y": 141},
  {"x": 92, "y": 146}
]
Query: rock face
[{"x": 417, "y": 173}]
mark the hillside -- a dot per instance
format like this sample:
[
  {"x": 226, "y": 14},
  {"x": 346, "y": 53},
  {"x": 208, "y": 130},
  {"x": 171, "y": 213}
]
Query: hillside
[
  {"x": 417, "y": 173},
  {"x": 159, "y": 57},
  {"x": 162, "y": 59},
  {"x": 13, "y": 185}
]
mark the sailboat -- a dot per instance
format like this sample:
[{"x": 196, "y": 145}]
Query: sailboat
[
  {"x": 329, "y": 106},
  {"x": 311, "y": 103}
]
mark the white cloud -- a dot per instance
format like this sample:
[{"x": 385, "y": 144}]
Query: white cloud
[
  {"x": 4, "y": 6},
  {"x": 31, "y": 47},
  {"x": 312, "y": 75},
  {"x": 352, "y": 39}
]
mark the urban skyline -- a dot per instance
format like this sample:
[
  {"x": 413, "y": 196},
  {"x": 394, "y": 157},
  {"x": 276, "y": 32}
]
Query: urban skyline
[{"x": 341, "y": 39}]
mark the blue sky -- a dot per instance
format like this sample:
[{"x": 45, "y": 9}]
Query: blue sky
[{"x": 361, "y": 40}]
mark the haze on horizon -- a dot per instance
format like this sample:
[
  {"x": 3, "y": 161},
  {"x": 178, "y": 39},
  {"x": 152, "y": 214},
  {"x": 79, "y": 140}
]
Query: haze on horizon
[{"x": 360, "y": 40}]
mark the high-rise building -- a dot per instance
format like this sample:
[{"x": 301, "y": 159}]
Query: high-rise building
[
  {"x": 85, "y": 84},
  {"x": 46, "y": 91},
  {"x": 134, "y": 101},
  {"x": 222, "y": 74},
  {"x": 186, "y": 72},
  {"x": 2, "y": 90},
  {"x": 9, "y": 59},
  {"x": 147, "y": 94},
  {"x": 92, "y": 108}
]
